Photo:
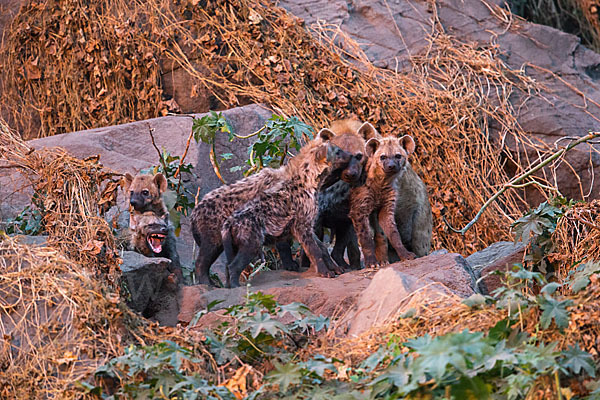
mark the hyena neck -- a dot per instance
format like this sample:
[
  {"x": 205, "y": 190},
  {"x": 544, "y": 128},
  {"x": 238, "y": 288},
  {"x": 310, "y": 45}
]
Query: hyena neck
[{"x": 306, "y": 172}]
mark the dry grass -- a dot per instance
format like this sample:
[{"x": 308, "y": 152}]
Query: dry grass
[{"x": 61, "y": 315}]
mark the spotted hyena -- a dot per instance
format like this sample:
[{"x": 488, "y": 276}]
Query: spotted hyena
[
  {"x": 288, "y": 208},
  {"x": 376, "y": 199}
]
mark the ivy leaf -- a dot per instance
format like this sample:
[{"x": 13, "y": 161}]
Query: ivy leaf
[
  {"x": 576, "y": 359},
  {"x": 550, "y": 288},
  {"x": 263, "y": 322},
  {"x": 296, "y": 310},
  {"x": 285, "y": 375},
  {"x": 554, "y": 310},
  {"x": 319, "y": 364},
  {"x": 579, "y": 283},
  {"x": 371, "y": 362}
]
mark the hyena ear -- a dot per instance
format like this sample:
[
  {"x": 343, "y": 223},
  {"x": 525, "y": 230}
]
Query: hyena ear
[
  {"x": 408, "y": 143},
  {"x": 132, "y": 221},
  {"x": 322, "y": 152},
  {"x": 367, "y": 131},
  {"x": 127, "y": 179},
  {"x": 371, "y": 146},
  {"x": 161, "y": 182},
  {"x": 325, "y": 134}
]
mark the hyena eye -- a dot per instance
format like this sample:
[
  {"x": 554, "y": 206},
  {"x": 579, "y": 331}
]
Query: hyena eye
[
  {"x": 382, "y": 157},
  {"x": 358, "y": 156},
  {"x": 398, "y": 156},
  {"x": 145, "y": 192}
]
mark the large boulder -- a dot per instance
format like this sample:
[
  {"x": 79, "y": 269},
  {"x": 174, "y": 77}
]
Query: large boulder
[
  {"x": 128, "y": 148},
  {"x": 324, "y": 296},
  {"x": 390, "y": 294},
  {"x": 357, "y": 299},
  {"x": 499, "y": 256}
]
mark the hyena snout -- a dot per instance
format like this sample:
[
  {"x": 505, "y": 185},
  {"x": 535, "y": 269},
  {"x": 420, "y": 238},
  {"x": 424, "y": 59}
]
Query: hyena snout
[
  {"x": 392, "y": 165},
  {"x": 138, "y": 201},
  {"x": 157, "y": 234},
  {"x": 353, "y": 172}
]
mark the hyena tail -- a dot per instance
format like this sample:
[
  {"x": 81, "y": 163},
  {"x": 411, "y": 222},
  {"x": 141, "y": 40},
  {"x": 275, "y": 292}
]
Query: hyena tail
[{"x": 227, "y": 238}]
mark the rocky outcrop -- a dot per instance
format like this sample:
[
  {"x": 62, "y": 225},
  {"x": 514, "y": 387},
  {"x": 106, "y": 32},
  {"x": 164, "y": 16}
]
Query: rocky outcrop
[
  {"x": 149, "y": 289},
  {"x": 390, "y": 32},
  {"x": 359, "y": 300}
]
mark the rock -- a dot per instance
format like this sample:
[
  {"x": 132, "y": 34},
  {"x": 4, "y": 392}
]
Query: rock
[
  {"x": 389, "y": 294},
  {"x": 324, "y": 296},
  {"x": 337, "y": 297},
  {"x": 151, "y": 293},
  {"x": 128, "y": 148},
  {"x": 449, "y": 269},
  {"x": 390, "y": 32},
  {"x": 497, "y": 257},
  {"x": 39, "y": 240}
]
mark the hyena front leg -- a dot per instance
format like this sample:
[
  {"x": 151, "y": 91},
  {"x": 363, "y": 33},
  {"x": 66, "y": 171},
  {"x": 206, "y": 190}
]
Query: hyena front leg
[
  {"x": 365, "y": 238},
  {"x": 381, "y": 242},
  {"x": 310, "y": 244},
  {"x": 388, "y": 224}
]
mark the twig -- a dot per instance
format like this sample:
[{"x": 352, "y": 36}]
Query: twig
[
  {"x": 512, "y": 183},
  {"x": 160, "y": 157},
  {"x": 187, "y": 146}
]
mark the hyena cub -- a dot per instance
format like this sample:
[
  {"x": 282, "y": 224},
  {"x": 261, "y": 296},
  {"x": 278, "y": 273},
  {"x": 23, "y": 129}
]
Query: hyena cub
[
  {"x": 153, "y": 236},
  {"x": 216, "y": 206},
  {"x": 145, "y": 194},
  {"x": 388, "y": 159},
  {"x": 334, "y": 203},
  {"x": 290, "y": 207}
]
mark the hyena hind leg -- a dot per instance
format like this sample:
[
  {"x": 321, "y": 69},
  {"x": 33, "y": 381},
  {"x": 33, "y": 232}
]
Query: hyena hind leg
[
  {"x": 207, "y": 255},
  {"x": 285, "y": 254}
]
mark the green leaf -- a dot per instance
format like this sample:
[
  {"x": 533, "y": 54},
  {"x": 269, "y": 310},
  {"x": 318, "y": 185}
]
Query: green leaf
[
  {"x": 579, "y": 283},
  {"x": 550, "y": 288},
  {"x": 554, "y": 310},
  {"x": 319, "y": 364},
  {"x": 285, "y": 375},
  {"x": 371, "y": 362},
  {"x": 576, "y": 359},
  {"x": 471, "y": 389},
  {"x": 263, "y": 322}
]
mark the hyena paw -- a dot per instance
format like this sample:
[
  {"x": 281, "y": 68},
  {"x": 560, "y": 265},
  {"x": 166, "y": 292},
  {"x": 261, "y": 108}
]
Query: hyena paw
[{"x": 408, "y": 255}]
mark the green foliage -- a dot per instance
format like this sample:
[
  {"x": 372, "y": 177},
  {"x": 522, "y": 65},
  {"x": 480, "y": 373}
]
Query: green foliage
[
  {"x": 273, "y": 141},
  {"x": 156, "y": 372},
  {"x": 580, "y": 277},
  {"x": 28, "y": 222},
  {"x": 258, "y": 331},
  {"x": 178, "y": 201},
  {"x": 206, "y": 128},
  {"x": 536, "y": 228},
  {"x": 253, "y": 332}
]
